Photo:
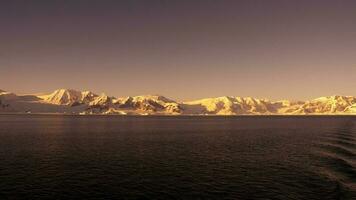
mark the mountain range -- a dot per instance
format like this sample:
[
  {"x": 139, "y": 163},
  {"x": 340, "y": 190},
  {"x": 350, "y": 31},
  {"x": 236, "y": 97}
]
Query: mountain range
[{"x": 69, "y": 101}]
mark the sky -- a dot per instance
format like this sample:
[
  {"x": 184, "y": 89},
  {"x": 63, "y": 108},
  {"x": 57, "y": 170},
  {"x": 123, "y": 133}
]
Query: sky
[{"x": 184, "y": 49}]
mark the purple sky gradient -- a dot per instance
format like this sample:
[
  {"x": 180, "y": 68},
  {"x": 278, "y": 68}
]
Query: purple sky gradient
[{"x": 181, "y": 49}]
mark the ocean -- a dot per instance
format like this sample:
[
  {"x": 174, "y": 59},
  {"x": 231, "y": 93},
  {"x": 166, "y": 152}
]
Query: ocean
[{"x": 177, "y": 157}]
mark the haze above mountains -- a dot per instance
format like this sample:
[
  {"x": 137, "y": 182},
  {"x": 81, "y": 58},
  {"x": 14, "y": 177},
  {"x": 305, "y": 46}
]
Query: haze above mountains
[{"x": 68, "y": 101}]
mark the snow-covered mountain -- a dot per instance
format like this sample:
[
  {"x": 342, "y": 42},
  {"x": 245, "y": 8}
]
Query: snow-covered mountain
[
  {"x": 328, "y": 105},
  {"x": 148, "y": 104},
  {"x": 228, "y": 105},
  {"x": 69, "y": 101},
  {"x": 68, "y": 97}
]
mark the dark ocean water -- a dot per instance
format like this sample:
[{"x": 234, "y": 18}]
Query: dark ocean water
[{"x": 113, "y": 157}]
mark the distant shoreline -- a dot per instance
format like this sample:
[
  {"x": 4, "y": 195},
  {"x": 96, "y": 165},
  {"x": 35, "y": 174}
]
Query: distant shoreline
[{"x": 182, "y": 115}]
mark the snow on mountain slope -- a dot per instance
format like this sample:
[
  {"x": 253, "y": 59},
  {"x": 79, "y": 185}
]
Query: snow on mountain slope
[
  {"x": 228, "y": 105},
  {"x": 102, "y": 100},
  {"x": 350, "y": 109},
  {"x": 63, "y": 97},
  {"x": 140, "y": 105},
  {"x": 286, "y": 107},
  {"x": 327, "y": 105},
  {"x": 102, "y": 104},
  {"x": 10, "y": 102},
  {"x": 87, "y": 97},
  {"x": 8, "y": 96},
  {"x": 77, "y": 102},
  {"x": 74, "y": 98},
  {"x": 149, "y": 104}
]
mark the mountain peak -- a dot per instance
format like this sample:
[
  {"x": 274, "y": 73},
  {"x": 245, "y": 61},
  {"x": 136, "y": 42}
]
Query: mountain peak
[
  {"x": 152, "y": 97},
  {"x": 63, "y": 90},
  {"x": 103, "y": 99},
  {"x": 63, "y": 97},
  {"x": 88, "y": 94}
]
